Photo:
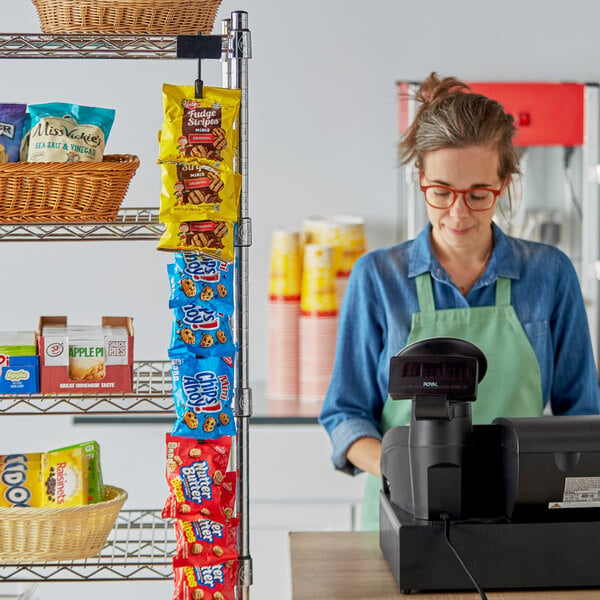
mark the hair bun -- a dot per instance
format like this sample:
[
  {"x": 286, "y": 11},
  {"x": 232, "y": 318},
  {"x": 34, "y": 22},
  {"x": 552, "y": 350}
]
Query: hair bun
[{"x": 433, "y": 88}]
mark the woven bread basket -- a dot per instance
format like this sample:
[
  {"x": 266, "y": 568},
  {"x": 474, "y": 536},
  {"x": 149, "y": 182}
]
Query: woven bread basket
[
  {"x": 50, "y": 534},
  {"x": 65, "y": 192},
  {"x": 164, "y": 17}
]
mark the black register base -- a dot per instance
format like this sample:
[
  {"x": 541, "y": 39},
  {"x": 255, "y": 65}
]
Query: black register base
[{"x": 499, "y": 554}]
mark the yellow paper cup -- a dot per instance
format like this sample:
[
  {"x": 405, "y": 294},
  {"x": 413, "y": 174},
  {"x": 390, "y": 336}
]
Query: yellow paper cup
[
  {"x": 352, "y": 241},
  {"x": 285, "y": 276},
  {"x": 318, "y": 281}
]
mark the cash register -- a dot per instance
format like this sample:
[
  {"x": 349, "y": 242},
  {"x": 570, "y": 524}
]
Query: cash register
[{"x": 514, "y": 504}]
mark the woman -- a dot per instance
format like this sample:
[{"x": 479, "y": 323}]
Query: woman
[{"x": 519, "y": 301}]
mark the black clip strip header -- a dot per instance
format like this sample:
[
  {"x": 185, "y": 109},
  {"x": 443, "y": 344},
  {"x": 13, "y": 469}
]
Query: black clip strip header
[{"x": 199, "y": 46}]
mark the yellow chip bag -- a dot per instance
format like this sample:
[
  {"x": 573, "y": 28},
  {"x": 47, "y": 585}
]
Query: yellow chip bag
[
  {"x": 198, "y": 193},
  {"x": 65, "y": 477},
  {"x": 20, "y": 480},
  {"x": 215, "y": 238},
  {"x": 199, "y": 130}
]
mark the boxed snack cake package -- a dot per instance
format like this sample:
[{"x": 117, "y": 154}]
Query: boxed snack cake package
[
  {"x": 86, "y": 359},
  {"x": 65, "y": 478},
  {"x": 19, "y": 363},
  {"x": 70, "y": 476},
  {"x": 95, "y": 486},
  {"x": 20, "y": 480}
]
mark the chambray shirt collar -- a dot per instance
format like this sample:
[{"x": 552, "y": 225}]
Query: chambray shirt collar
[{"x": 503, "y": 262}]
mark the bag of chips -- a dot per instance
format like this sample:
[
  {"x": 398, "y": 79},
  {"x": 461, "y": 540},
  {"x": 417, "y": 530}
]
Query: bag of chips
[
  {"x": 199, "y": 130},
  {"x": 68, "y": 132},
  {"x": 12, "y": 117},
  {"x": 198, "y": 193},
  {"x": 203, "y": 390}
]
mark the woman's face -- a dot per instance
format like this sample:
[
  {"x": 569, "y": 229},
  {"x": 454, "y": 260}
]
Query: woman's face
[{"x": 458, "y": 227}]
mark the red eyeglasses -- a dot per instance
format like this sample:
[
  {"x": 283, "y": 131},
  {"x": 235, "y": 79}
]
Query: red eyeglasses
[{"x": 442, "y": 196}]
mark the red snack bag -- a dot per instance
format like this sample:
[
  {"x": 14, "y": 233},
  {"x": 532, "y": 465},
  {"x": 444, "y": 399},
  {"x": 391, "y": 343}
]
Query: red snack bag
[
  {"x": 196, "y": 471},
  {"x": 205, "y": 542},
  {"x": 212, "y": 582}
]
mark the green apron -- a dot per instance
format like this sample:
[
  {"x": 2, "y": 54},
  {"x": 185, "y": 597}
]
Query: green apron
[{"x": 511, "y": 387}]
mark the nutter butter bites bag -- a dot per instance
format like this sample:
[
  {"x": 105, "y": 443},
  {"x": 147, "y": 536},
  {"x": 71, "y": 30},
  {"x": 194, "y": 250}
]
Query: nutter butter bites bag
[
  {"x": 199, "y": 130},
  {"x": 20, "y": 480},
  {"x": 205, "y": 542},
  {"x": 209, "y": 582},
  {"x": 68, "y": 132},
  {"x": 12, "y": 117},
  {"x": 198, "y": 193},
  {"x": 197, "y": 477}
]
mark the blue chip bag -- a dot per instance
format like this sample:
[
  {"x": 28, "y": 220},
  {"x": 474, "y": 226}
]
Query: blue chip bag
[
  {"x": 202, "y": 280},
  {"x": 11, "y": 131},
  {"x": 203, "y": 390},
  {"x": 68, "y": 132},
  {"x": 201, "y": 331}
]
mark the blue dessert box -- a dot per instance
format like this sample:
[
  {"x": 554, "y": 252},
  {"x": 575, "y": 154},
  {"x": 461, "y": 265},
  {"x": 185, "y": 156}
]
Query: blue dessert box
[{"x": 19, "y": 374}]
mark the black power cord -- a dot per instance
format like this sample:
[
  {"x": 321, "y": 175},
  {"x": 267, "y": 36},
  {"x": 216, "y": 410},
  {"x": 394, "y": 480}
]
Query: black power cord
[{"x": 446, "y": 518}]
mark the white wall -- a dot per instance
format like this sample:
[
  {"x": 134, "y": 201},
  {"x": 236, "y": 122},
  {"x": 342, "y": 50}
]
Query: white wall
[{"x": 322, "y": 129}]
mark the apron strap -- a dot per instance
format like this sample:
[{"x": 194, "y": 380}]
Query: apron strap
[
  {"x": 502, "y": 291},
  {"x": 425, "y": 292}
]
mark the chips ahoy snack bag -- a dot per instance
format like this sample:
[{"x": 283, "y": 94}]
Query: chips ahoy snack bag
[{"x": 202, "y": 389}]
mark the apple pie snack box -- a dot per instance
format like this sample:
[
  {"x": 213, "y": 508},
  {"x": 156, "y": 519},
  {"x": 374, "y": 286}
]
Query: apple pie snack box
[{"x": 86, "y": 359}]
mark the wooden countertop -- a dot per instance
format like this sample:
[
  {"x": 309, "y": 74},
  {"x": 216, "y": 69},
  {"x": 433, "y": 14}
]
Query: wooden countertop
[{"x": 350, "y": 565}]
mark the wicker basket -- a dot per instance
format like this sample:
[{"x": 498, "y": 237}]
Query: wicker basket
[
  {"x": 50, "y": 534},
  {"x": 65, "y": 192},
  {"x": 165, "y": 17}
]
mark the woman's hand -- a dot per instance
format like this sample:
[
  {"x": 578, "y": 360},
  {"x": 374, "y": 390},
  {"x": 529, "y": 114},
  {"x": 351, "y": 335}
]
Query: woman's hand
[{"x": 365, "y": 454}]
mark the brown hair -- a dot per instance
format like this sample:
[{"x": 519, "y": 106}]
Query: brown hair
[{"x": 450, "y": 116}]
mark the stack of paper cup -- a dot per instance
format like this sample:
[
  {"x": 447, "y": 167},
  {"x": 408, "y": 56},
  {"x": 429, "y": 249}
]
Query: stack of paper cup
[
  {"x": 283, "y": 316},
  {"x": 318, "y": 322},
  {"x": 353, "y": 245},
  {"x": 346, "y": 235}
]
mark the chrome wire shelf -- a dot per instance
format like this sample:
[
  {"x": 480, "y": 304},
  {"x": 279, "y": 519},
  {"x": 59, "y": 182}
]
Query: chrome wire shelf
[
  {"x": 44, "y": 45},
  {"x": 140, "y": 547},
  {"x": 152, "y": 394},
  {"x": 131, "y": 224}
]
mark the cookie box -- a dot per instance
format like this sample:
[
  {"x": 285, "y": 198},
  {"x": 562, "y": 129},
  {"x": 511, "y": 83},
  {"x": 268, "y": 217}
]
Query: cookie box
[
  {"x": 19, "y": 374},
  {"x": 77, "y": 362}
]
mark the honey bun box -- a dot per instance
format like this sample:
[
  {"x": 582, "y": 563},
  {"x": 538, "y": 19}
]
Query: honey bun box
[
  {"x": 86, "y": 359},
  {"x": 19, "y": 363}
]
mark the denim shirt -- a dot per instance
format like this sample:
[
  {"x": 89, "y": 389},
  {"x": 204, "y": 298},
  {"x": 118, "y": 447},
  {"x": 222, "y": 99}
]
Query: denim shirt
[{"x": 381, "y": 297}]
